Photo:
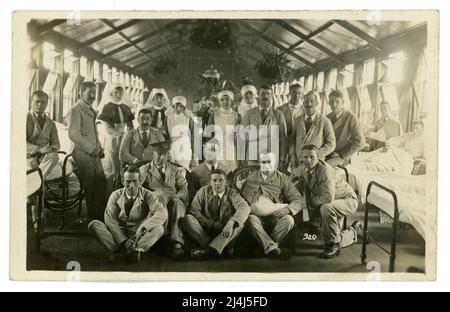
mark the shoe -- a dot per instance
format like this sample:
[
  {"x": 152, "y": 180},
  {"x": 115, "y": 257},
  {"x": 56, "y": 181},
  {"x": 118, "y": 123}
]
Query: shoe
[
  {"x": 176, "y": 253},
  {"x": 229, "y": 252},
  {"x": 357, "y": 226},
  {"x": 134, "y": 256},
  {"x": 330, "y": 252},
  {"x": 198, "y": 254}
]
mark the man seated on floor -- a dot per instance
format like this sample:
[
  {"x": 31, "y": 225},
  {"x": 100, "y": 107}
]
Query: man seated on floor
[
  {"x": 169, "y": 183},
  {"x": 136, "y": 146},
  {"x": 269, "y": 185},
  {"x": 201, "y": 175},
  {"x": 216, "y": 218},
  {"x": 134, "y": 219},
  {"x": 42, "y": 136},
  {"x": 330, "y": 196}
]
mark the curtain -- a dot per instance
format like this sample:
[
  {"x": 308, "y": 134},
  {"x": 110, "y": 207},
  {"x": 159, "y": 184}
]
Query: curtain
[
  {"x": 411, "y": 90},
  {"x": 324, "y": 93}
]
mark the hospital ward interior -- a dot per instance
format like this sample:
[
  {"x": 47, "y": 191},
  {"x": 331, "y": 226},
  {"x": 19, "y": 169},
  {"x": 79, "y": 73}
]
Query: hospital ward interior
[{"x": 140, "y": 159}]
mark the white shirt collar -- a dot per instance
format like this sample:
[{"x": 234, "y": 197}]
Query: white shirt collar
[
  {"x": 313, "y": 117},
  {"x": 339, "y": 115},
  {"x": 129, "y": 197},
  {"x": 220, "y": 195},
  {"x": 146, "y": 131},
  {"x": 216, "y": 164},
  {"x": 267, "y": 109}
]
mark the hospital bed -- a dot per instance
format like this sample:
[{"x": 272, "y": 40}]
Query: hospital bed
[{"x": 400, "y": 198}]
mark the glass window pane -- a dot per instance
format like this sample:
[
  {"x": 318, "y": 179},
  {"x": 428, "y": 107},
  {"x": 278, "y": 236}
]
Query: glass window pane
[
  {"x": 369, "y": 72},
  {"x": 83, "y": 66},
  {"x": 333, "y": 78}
]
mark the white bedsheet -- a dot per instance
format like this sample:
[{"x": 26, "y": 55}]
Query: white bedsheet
[{"x": 410, "y": 191}]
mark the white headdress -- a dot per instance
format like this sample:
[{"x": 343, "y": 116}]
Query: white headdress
[
  {"x": 250, "y": 88},
  {"x": 226, "y": 92},
  {"x": 179, "y": 99},
  {"x": 154, "y": 92},
  {"x": 107, "y": 98}
]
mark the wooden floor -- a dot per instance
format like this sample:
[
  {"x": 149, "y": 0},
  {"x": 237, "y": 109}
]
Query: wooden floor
[{"x": 58, "y": 251}]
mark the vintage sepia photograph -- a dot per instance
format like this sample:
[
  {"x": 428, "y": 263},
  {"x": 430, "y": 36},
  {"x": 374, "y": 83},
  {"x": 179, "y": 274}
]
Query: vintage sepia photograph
[{"x": 224, "y": 145}]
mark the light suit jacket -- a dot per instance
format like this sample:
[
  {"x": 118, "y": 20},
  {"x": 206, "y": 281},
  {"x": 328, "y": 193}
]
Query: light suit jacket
[
  {"x": 349, "y": 139},
  {"x": 323, "y": 185},
  {"x": 232, "y": 207},
  {"x": 147, "y": 211},
  {"x": 286, "y": 110},
  {"x": 82, "y": 127},
  {"x": 132, "y": 147},
  {"x": 38, "y": 138},
  {"x": 173, "y": 184},
  {"x": 274, "y": 117},
  {"x": 278, "y": 188},
  {"x": 321, "y": 134}
]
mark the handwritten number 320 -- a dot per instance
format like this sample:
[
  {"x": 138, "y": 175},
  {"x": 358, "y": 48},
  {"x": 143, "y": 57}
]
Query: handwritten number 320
[{"x": 308, "y": 237}]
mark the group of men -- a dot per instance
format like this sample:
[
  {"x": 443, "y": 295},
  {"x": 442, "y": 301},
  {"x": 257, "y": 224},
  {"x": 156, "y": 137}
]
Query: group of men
[{"x": 155, "y": 203}]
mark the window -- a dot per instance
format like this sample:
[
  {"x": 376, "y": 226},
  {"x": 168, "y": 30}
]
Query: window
[
  {"x": 50, "y": 87},
  {"x": 369, "y": 72},
  {"x": 105, "y": 73},
  {"x": 348, "y": 75},
  {"x": 97, "y": 77},
  {"x": 333, "y": 79},
  {"x": 395, "y": 67},
  {"x": 70, "y": 94},
  {"x": 389, "y": 94},
  {"x": 49, "y": 54},
  {"x": 83, "y": 67},
  {"x": 114, "y": 75},
  {"x": 320, "y": 81},
  {"x": 68, "y": 61}
]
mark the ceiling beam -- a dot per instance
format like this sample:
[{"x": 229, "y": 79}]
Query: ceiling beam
[
  {"x": 111, "y": 25},
  {"x": 277, "y": 45},
  {"x": 312, "y": 35},
  {"x": 64, "y": 42},
  {"x": 180, "y": 46},
  {"x": 151, "y": 50},
  {"x": 413, "y": 38},
  {"x": 49, "y": 26},
  {"x": 312, "y": 42},
  {"x": 145, "y": 37},
  {"x": 109, "y": 33},
  {"x": 359, "y": 33}
]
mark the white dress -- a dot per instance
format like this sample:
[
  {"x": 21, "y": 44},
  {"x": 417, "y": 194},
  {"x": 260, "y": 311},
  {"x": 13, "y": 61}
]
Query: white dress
[{"x": 179, "y": 129}]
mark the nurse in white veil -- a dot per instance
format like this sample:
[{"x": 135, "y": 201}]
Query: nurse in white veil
[
  {"x": 116, "y": 118},
  {"x": 158, "y": 102},
  {"x": 249, "y": 99}
]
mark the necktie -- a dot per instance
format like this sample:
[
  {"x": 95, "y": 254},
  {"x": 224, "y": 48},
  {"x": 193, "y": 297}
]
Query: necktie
[
  {"x": 128, "y": 206},
  {"x": 215, "y": 207},
  {"x": 263, "y": 114},
  {"x": 162, "y": 172},
  {"x": 308, "y": 123},
  {"x": 41, "y": 121},
  {"x": 213, "y": 168},
  {"x": 144, "y": 138}
]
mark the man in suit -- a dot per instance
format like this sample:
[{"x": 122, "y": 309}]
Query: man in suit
[
  {"x": 311, "y": 128},
  {"x": 88, "y": 151},
  {"x": 169, "y": 183},
  {"x": 349, "y": 139},
  {"x": 42, "y": 136},
  {"x": 134, "y": 219},
  {"x": 293, "y": 109},
  {"x": 266, "y": 119},
  {"x": 331, "y": 197},
  {"x": 277, "y": 188},
  {"x": 201, "y": 175},
  {"x": 392, "y": 127},
  {"x": 216, "y": 218},
  {"x": 136, "y": 147}
]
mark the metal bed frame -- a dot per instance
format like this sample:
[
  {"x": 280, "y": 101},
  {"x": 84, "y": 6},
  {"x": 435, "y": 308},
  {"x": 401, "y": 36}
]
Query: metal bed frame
[{"x": 395, "y": 226}]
